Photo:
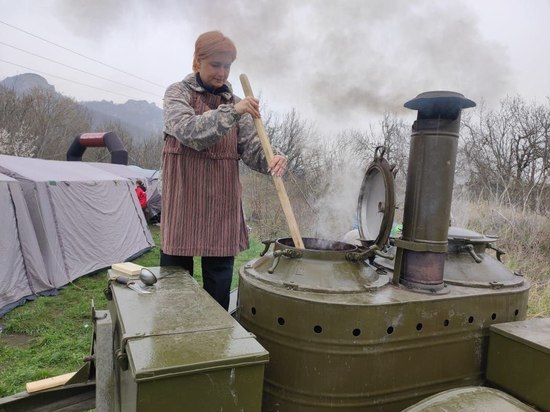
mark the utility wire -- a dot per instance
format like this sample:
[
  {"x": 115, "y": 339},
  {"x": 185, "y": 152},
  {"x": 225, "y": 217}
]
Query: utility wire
[
  {"x": 82, "y": 55},
  {"x": 80, "y": 70},
  {"x": 68, "y": 80}
]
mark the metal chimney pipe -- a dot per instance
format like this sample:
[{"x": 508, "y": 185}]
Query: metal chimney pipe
[{"x": 421, "y": 251}]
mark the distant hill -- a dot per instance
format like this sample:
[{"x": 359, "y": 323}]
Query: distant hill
[
  {"x": 140, "y": 118},
  {"x": 24, "y": 83}
]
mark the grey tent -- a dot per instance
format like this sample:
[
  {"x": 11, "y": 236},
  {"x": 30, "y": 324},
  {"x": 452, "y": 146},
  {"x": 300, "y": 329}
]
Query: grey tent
[
  {"x": 148, "y": 176},
  {"x": 85, "y": 218},
  {"x": 22, "y": 271}
]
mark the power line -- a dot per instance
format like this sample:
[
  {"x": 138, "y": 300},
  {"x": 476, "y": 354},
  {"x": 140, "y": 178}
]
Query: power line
[
  {"x": 68, "y": 80},
  {"x": 80, "y": 70},
  {"x": 81, "y": 55}
]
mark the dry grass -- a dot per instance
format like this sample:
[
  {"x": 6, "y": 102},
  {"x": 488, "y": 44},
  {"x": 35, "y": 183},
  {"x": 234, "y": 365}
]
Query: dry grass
[{"x": 524, "y": 236}]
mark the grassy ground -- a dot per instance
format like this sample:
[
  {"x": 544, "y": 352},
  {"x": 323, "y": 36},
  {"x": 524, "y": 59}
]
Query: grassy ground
[{"x": 51, "y": 335}]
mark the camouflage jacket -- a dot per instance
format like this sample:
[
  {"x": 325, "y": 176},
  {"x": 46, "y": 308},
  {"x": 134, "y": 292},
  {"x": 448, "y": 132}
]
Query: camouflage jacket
[{"x": 201, "y": 131}]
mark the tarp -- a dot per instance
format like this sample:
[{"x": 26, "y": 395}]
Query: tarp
[
  {"x": 149, "y": 177},
  {"x": 22, "y": 271},
  {"x": 85, "y": 219}
]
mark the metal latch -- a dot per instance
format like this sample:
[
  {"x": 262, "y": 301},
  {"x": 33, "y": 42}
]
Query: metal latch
[
  {"x": 372, "y": 251},
  {"x": 470, "y": 249},
  {"x": 499, "y": 251},
  {"x": 266, "y": 243},
  {"x": 289, "y": 253}
]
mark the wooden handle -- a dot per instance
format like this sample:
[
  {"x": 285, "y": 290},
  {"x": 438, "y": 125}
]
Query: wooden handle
[
  {"x": 48, "y": 383},
  {"x": 279, "y": 185}
]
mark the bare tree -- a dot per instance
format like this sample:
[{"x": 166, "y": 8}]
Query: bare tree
[
  {"x": 43, "y": 118},
  {"x": 18, "y": 143},
  {"x": 507, "y": 151},
  {"x": 390, "y": 132},
  {"x": 16, "y": 136},
  {"x": 290, "y": 135},
  {"x": 148, "y": 153}
]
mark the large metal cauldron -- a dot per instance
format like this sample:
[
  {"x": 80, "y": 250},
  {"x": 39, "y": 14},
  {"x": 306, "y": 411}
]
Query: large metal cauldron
[
  {"x": 340, "y": 336},
  {"x": 345, "y": 332}
]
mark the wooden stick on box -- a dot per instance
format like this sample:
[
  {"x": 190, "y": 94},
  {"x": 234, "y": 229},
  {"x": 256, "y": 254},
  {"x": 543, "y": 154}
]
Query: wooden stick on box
[{"x": 48, "y": 383}]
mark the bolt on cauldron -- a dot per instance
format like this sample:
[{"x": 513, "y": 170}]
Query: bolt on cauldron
[{"x": 380, "y": 326}]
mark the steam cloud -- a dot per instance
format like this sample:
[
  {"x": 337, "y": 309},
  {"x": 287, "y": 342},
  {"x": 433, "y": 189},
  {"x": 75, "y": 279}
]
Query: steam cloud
[
  {"x": 338, "y": 60},
  {"x": 336, "y": 211}
]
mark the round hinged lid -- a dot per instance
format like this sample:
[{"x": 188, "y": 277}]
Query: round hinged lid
[{"x": 376, "y": 204}]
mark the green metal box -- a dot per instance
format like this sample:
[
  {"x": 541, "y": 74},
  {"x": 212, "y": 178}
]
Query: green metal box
[
  {"x": 519, "y": 360},
  {"x": 176, "y": 349}
]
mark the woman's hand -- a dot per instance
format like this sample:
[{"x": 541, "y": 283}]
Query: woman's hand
[
  {"x": 278, "y": 164},
  {"x": 249, "y": 105}
]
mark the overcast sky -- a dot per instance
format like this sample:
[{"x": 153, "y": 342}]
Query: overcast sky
[{"x": 337, "y": 62}]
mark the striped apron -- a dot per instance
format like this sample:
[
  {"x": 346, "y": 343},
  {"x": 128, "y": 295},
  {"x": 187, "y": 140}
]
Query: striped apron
[{"x": 201, "y": 194}]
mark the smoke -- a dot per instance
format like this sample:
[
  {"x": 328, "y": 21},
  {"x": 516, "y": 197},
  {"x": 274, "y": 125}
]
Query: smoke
[
  {"x": 335, "y": 61},
  {"x": 92, "y": 19},
  {"x": 338, "y": 63}
]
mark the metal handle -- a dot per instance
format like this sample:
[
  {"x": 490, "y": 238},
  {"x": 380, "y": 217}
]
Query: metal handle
[
  {"x": 379, "y": 152},
  {"x": 266, "y": 243},
  {"x": 369, "y": 253},
  {"x": 470, "y": 249},
  {"x": 500, "y": 252},
  {"x": 289, "y": 253}
]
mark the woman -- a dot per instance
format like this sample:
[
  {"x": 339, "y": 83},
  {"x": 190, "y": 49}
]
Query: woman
[{"x": 207, "y": 130}]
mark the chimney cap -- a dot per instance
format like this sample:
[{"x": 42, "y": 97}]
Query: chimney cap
[{"x": 439, "y": 103}]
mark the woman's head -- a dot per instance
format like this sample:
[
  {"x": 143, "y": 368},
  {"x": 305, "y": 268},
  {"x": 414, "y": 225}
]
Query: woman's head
[{"x": 214, "y": 54}]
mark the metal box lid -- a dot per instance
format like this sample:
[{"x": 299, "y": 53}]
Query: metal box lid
[
  {"x": 179, "y": 329},
  {"x": 534, "y": 333},
  {"x": 470, "y": 398}
]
